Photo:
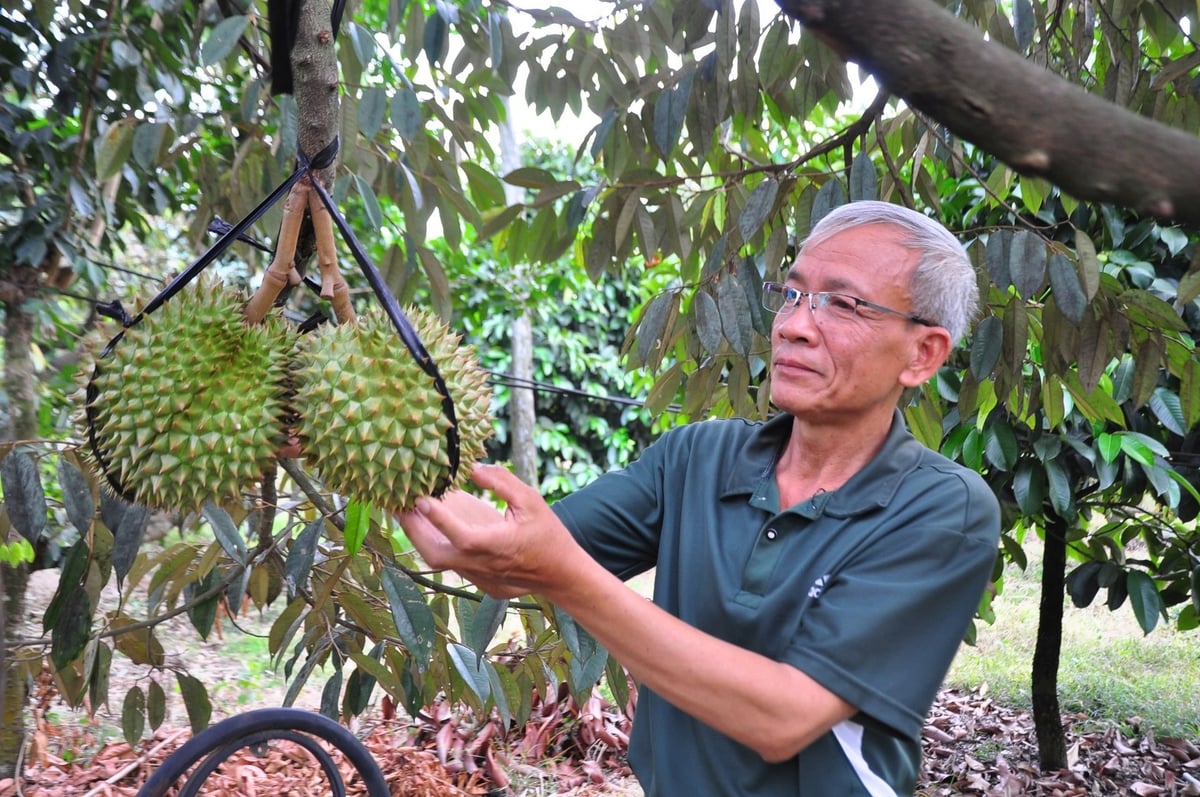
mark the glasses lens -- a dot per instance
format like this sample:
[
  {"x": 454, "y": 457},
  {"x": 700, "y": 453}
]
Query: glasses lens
[
  {"x": 773, "y": 295},
  {"x": 838, "y": 306}
]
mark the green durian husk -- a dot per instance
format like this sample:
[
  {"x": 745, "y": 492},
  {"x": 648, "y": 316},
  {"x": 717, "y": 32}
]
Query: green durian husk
[
  {"x": 370, "y": 420},
  {"x": 191, "y": 405}
]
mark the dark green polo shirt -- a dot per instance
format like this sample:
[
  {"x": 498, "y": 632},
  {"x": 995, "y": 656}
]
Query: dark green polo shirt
[{"x": 867, "y": 589}]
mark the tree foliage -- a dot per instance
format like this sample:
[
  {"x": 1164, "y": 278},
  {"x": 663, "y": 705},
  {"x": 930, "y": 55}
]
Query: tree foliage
[{"x": 716, "y": 133}]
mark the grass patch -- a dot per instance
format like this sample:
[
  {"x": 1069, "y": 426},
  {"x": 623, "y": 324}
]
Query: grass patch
[{"x": 1108, "y": 669}]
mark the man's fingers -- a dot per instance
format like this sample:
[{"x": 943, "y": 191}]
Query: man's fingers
[{"x": 505, "y": 485}]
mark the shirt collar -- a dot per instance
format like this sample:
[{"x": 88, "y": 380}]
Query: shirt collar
[{"x": 874, "y": 486}]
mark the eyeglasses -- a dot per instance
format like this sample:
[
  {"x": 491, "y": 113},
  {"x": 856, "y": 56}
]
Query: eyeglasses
[{"x": 782, "y": 299}]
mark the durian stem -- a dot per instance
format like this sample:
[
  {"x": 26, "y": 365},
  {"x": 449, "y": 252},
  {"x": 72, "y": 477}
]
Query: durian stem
[
  {"x": 282, "y": 271},
  {"x": 333, "y": 284},
  {"x": 269, "y": 501}
]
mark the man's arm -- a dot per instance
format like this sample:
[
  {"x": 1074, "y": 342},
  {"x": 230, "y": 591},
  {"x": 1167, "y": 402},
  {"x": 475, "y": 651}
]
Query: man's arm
[{"x": 771, "y": 707}]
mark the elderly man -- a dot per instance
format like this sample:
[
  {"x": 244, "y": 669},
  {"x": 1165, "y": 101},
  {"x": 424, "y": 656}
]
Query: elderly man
[{"x": 814, "y": 573}]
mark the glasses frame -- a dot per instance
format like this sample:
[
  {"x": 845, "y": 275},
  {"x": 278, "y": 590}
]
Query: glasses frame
[{"x": 820, "y": 299}]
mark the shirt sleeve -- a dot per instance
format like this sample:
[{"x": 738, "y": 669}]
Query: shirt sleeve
[
  {"x": 887, "y": 625},
  {"x": 617, "y": 518}
]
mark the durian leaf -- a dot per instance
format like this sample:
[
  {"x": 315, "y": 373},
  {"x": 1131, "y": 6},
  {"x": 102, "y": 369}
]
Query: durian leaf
[
  {"x": 156, "y": 704},
  {"x": 74, "y": 567},
  {"x": 98, "y": 681},
  {"x": 588, "y": 657},
  {"x": 142, "y": 647},
  {"x": 413, "y": 618},
  {"x": 301, "y": 556},
  {"x": 23, "y": 495},
  {"x": 70, "y": 634},
  {"x": 330, "y": 694},
  {"x": 127, "y": 522},
  {"x": 77, "y": 495},
  {"x": 485, "y": 623},
  {"x": 133, "y": 716},
  {"x": 618, "y": 682},
  {"x": 203, "y": 614},
  {"x": 195, "y": 700},
  {"x": 226, "y": 532},
  {"x": 358, "y": 522},
  {"x": 360, "y": 684},
  {"x": 473, "y": 669}
]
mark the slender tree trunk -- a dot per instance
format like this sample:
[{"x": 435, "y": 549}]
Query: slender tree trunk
[
  {"x": 521, "y": 412},
  {"x": 20, "y": 384},
  {"x": 1047, "y": 719}
]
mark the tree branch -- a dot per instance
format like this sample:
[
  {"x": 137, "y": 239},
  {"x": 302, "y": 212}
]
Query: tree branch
[{"x": 1028, "y": 117}]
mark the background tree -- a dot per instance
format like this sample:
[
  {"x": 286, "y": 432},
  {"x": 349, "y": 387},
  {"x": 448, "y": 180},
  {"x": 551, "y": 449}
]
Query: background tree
[{"x": 719, "y": 132}]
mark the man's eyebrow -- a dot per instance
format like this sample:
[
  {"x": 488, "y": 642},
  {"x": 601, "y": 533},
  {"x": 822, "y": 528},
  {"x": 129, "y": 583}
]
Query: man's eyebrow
[{"x": 836, "y": 284}]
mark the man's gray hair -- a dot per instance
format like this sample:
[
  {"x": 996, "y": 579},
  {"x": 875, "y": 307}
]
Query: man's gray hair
[{"x": 943, "y": 288}]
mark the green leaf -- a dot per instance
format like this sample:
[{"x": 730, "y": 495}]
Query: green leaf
[
  {"x": 156, "y": 704},
  {"x": 147, "y": 143},
  {"x": 1109, "y": 446},
  {"x": 1000, "y": 446},
  {"x": 1067, "y": 290},
  {"x": 530, "y": 177},
  {"x": 301, "y": 555},
  {"x": 473, "y": 669},
  {"x": 413, "y": 618},
  {"x": 1144, "y": 599},
  {"x": 1089, "y": 264},
  {"x": 1083, "y": 584},
  {"x": 830, "y": 196},
  {"x": 98, "y": 680},
  {"x": 864, "y": 182},
  {"x": 23, "y": 495},
  {"x": 223, "y": 38},
  {"x": 985, "y": 347},
  {"x": 436, "y": 37},
  {"x": 1167, "y": 408},
  {"x": 751, "y": 282},
  {"x": 76, "y": 494},
  {"x": 362, "y": 40},
  {"x": 330, "y": 694},
  {"x": 758, "y": 208},
  {"x": 1023, "y": 24},
  {"x": 1141, "y": 448},
  {"x": 358, "y": 523},
  {"x": 127, "y": 522},
  {"x": 133, "y": 716},
  {"x": 1194, "y": 581},
  {"x": 996, "y": 256},
  {"x": 735, "y": 315},
  {"x": 371, "y": 202},
  {"x": 226, "y": 532},
  {"x": 1061, "y": 497},
  {"x": 1027, "y": 263},
  {"x": 203, "y": 615},
  {"x": 196, "y": 701},
  {"x": 653, "y": 325},
  {"x": 372, "y": 107},
  {"x": 406, "y": 114},
  {"x": 708, "y": 321},
  {"x": 69, "y": 636},
  {"x": 486, "y": 622},
  {"x": 670, "y": 111}
]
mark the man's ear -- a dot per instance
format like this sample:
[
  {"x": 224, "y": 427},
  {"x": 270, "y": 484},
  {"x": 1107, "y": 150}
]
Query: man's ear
[{"x": 929, "y": 350}]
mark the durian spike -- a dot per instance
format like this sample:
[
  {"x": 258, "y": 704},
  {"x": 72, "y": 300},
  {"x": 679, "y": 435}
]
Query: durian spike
[
  {"x": 333, "y": 284},
  {"x": 282, "y": 271}
]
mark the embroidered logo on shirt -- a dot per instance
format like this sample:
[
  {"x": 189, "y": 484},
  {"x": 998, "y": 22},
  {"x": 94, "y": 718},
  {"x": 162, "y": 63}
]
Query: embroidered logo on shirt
[{"x": 818, "y": 586}]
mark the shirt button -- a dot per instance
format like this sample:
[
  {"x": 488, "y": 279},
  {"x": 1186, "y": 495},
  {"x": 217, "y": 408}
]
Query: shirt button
[{"x": 772, "y": 534}]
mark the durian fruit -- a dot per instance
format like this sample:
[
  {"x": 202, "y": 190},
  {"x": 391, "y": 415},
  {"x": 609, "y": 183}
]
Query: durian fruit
[
  {"x": 191, "y": 405},
  {"x": 370, "y": 421}
]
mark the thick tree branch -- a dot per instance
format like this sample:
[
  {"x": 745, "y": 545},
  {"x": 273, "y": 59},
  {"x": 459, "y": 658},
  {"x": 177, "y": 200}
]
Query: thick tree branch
[{"x": 1028, "y": 117}]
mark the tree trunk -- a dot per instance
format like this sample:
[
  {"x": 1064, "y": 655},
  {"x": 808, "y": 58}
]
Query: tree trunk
[
  {"x": 522, "y": 415},
  {"x": 1047, "y": 719},
  {"x": 20, "y": 384}
]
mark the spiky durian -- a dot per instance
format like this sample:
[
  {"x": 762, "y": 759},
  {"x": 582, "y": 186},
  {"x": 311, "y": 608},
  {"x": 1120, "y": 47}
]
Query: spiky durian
[
  {"x": 191, "y": 403},
  {"x": 371, "y": 422}
]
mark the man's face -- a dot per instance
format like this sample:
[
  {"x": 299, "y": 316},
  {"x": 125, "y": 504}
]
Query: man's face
[{"x": 839, "y": 367}]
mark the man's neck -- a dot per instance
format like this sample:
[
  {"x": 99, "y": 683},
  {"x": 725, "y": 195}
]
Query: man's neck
[{"x": 821, "y": 458}]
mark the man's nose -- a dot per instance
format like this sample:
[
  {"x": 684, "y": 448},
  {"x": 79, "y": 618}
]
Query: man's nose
[{"x": 801, "y": 322}]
